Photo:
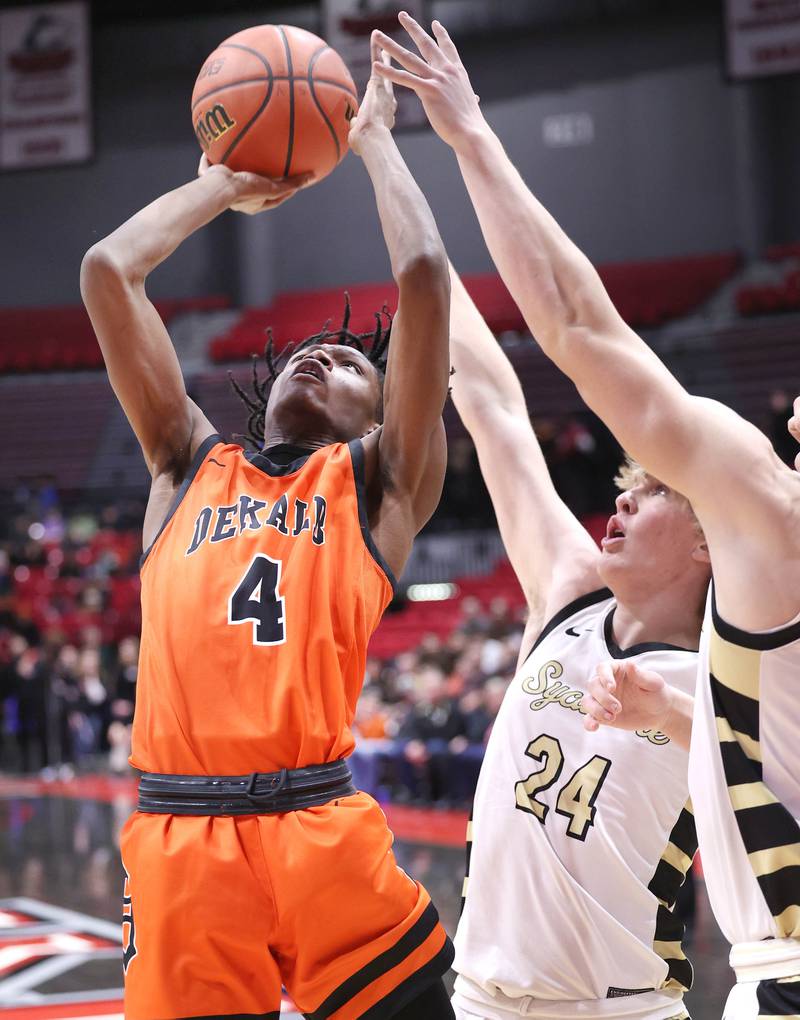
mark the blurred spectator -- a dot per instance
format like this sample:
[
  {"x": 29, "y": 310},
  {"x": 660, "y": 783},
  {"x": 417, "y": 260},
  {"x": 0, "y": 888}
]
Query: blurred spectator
[
  {"x": 465, "y": 499},
  {"x": 30, "y": 690},
  {"x": 122, "y": 705},
  {"x": 89, "y": 716}
]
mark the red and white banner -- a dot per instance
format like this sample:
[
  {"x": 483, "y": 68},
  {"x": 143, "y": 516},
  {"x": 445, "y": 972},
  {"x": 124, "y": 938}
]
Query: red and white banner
[
  {"x": 347, "y": 26},
  {"x": 763, "y": 37},
  {"x": 45, "y": 103}
]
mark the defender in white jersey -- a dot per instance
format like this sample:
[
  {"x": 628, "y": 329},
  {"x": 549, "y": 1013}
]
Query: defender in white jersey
[
  {"x": 577, "y": 847},
  {"x": 745, "y": 770}
]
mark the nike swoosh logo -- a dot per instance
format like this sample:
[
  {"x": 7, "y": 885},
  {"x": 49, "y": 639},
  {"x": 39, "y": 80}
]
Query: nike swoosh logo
[
  {"x": 213, "y": 461},
  {"x": 572, "y": 632}
]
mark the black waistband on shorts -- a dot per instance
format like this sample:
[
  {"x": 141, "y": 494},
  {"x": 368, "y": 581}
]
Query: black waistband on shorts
[{"x": 260, "y": 793}]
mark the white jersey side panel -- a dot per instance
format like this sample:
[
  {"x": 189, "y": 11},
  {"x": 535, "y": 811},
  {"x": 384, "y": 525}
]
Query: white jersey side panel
[
  {"x": 745, "y": 778},
  {"x": 576, "y": 838}
]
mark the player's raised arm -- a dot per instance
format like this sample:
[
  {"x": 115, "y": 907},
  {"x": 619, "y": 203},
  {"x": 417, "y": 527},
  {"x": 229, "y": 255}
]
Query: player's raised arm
[
  {"x": 679, "y": 438},
  {"x": 411, "y": 447},
  {"x": 721, "y": 463},
  {"x": 141, "y": 361},
  {"x": 554, "y": 558}
]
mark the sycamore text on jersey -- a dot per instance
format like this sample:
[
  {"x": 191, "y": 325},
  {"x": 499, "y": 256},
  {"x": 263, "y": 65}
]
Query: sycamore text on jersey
[{"x": 549, "y": 690}]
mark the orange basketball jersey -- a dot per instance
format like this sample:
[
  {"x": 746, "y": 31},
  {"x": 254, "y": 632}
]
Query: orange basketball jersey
[{"x": 259, "y": 596}]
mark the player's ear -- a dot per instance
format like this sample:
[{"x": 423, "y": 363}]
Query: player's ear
[{"x": 700, "y": 552}]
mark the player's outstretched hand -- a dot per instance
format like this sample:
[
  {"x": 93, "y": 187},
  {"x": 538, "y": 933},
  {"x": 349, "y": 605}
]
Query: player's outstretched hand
[
  {"x": 794, "y": 428},
  {"x": 378, "y": 105},
  {"x": 256, "y": 194},
  {"x": 623, "y": 695},
  {"x": 437, "y": 76}
]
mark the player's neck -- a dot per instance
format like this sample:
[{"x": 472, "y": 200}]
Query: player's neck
[
  {"x": 668, "y": 617},
  {"x": 295, "y": 437}
]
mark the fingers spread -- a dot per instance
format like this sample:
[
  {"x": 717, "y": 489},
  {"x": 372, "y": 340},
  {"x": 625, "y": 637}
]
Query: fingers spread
[
  {"x": 398, "y": 77},
  {"x": 427, "y": 46},
  {"x": 410, "y": 61},
  {"x": 446, "y": 44}
]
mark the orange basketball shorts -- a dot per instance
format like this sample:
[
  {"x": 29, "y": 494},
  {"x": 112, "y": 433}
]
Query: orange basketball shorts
[{"x": 220, "y": 912}]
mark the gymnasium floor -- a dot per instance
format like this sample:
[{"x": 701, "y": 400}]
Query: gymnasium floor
[{"x": 60, "y": 897}]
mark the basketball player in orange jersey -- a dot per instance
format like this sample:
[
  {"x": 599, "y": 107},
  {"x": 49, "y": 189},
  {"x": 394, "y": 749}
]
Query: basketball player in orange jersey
[
  {"x": 252, "y": 861},
  {"x": 743, "y": 774}
]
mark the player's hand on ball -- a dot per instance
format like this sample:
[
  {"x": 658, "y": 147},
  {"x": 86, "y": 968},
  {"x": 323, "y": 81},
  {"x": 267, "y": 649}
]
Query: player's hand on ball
[
  {"x": 256, "y": 194},
  {"x": 378, "y": 106},
  {"x": 623, "y": 695},
  {"x": 437, "y": 76}
]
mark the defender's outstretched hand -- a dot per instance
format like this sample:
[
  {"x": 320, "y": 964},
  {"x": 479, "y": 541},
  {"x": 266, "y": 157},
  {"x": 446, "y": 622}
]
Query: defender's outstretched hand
[
  {"x": 623, "y": 695},
  {"x": 378, "y": 106},
  {"x": 437, "y": 76},
  {"x": 256, "y": 194}
]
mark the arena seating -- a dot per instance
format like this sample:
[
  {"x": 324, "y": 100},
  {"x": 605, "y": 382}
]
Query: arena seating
[
  {"x": 62, "y": 338},
  {"x": 404, "y": 630},
  {"x": 647, "y": 294},
  {"x": 770, "y": 298}
]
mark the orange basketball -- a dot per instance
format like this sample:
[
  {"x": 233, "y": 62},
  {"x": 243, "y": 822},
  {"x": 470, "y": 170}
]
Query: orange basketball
[{"x": 275, "y": 100}]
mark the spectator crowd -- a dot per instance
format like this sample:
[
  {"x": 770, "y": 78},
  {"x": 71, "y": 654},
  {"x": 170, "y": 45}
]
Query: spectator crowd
[
  {"x": 70, "y": 619},
  {"x": 69, "y": 625}
]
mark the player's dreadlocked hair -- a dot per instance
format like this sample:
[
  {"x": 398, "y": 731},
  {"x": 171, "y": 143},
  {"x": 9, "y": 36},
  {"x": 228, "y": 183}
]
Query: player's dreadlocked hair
[{"x": 256, "y": 402}]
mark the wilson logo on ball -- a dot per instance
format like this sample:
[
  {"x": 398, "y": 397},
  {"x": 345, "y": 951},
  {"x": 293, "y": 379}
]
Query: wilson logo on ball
[{"x": 213, "y": 125}]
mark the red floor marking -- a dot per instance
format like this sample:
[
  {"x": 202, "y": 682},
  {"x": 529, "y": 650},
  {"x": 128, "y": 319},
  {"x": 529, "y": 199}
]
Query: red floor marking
[
  {"x": 410, "y": 824},
  {"x": 423, "y": 825}
]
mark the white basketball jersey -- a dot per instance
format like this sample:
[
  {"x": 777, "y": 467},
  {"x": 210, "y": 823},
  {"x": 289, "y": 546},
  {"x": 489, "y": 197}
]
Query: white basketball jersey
[
  {"x": 580, "y": 842},
  {"x": 745, "y": 778}
]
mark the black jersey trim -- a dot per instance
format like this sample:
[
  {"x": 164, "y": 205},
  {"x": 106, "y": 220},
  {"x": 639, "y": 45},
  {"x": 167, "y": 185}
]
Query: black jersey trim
[
  {"x": 760, "y": 641},
  {"x": 280, "y": 460},
  {"x": 414, "y": 985},
  {"x": 616, "y": 652},
  {"x": 576, "y": 606},
  {"x": 356, "y": 448},
  {"x": 777, "y": 998},
  {"x": 274, "y": 1015},
  {"x": 740, "y": 711},
  {"x": 416, "y": 935},
  {"x": 197, "y": 461},
  {"x": 766, "y": 827}
]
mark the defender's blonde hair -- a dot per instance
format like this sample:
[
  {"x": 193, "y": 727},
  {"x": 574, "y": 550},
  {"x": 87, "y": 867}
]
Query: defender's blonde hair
[{"x": 631, "y": 474}]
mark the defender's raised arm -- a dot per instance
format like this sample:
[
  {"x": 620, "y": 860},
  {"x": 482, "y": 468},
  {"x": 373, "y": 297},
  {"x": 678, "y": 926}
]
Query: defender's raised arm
[
  {"x": 719, "y": 461},
  {"x": 490, "y": 401}
]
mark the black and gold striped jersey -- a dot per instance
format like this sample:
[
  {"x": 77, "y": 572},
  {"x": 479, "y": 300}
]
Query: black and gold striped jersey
[{"x": 745, "y": 777}]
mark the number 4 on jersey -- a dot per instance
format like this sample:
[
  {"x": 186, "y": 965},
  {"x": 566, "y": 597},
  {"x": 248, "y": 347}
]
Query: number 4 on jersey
[{"x": 256, "y": 598}]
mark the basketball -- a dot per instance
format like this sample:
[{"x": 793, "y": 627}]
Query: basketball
[{"x": 275, "y": 100}]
